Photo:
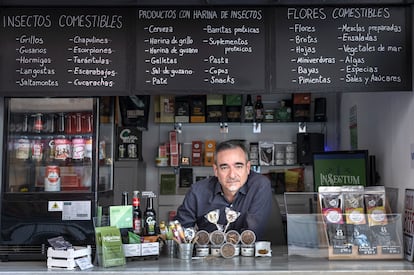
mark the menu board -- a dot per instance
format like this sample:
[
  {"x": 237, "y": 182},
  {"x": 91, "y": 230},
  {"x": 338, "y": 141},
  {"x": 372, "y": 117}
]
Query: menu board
[
  {"x": 200, "y": 49},
  {"x": 343, "y": 49},
  {"x": 62, "y": 51}
]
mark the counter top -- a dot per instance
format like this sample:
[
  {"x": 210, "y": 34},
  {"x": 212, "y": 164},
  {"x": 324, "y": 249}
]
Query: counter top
[{"x": 279, "y": 263}]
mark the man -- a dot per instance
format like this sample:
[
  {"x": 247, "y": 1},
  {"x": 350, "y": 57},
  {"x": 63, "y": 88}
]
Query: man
[{"x": 234, "y": 187}]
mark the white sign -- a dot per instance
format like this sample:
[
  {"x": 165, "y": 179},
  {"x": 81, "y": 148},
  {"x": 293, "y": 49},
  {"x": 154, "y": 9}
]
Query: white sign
[{"x": 76, "y": 210}]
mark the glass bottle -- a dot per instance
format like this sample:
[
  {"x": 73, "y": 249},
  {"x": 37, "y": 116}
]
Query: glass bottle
[
  {"x": 124, "y": 231},
  {"x": 248, "y": 110},
  {"x": 150, "y": 218},
  {"x": 37, "y": 123},
  {"x": 124, "y": 198},
  {"x": 136, "y": 213},
  {"x": 258, "y": 109}
]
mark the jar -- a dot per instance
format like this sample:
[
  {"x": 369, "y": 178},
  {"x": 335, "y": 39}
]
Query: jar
[
  {"x": 217, "y": 238},
  {"x": 233, "y": 237},
  {"x": 247, "y": 250},
  {"x": 202, "y": 250},
  {"x": 248, "y": 237},
  {"x": 228, "y": 250}
]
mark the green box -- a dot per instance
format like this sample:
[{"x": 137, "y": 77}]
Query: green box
[
  {"x": 234, "y": 100},
  {"x": 120, "y": 216},
  {"x": 214, "y": 100},
  {"x": 109, "y": 246},
  {"x": 168, "y": 184}
]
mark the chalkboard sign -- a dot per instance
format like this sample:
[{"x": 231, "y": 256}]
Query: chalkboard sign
[
  {"x": 200, "y": 49},
  {"x": 64, "y": 51},
  {"x": 343, "y": 49}
]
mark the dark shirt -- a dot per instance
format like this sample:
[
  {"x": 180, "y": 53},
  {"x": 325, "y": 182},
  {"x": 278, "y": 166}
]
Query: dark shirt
[{"x": 253, "y": 201}]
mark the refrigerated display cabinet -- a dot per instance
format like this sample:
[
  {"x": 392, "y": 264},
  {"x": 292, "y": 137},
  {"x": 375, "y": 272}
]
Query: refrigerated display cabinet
[{"x": 57, "y": 157}]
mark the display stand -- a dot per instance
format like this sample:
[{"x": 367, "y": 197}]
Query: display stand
[{"x": 310, "y": 235}]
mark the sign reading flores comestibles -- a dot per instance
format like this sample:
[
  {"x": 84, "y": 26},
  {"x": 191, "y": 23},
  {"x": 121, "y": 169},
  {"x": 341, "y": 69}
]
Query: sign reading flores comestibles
[{"x": 343, "y": 48}]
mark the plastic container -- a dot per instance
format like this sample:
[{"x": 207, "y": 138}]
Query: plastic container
[
  {"x": 248, "y": 237},
  {"x": 228, "y": 250}
]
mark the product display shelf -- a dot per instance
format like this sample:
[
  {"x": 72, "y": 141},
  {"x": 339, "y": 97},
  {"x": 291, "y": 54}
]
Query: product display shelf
[{"x": 376, "y": 242}]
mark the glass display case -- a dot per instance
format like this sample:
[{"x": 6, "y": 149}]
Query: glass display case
[
  {"x": 50, "y": 145},
  {"x": 54, "y": 162},
  {"x": 337, "y": 233}
]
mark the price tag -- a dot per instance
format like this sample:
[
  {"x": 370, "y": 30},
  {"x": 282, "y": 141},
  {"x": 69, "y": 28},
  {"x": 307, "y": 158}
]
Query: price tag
[{"x": 84, "y": 263}]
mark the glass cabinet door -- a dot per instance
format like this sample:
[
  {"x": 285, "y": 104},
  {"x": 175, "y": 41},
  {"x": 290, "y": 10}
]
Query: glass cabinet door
[
  {"x": 106, "y": 146},
  {"x": 50, "y": 144}
]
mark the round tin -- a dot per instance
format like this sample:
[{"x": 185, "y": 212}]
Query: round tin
[
  {"x": 228, "y": 250},
  {"x": 215, "y": 250},
  {"x": 203, "y": 237},
  {"x": 217, "y": 237},
  {"x": 248, "y": 237},
  {"x": 202, "y": 250},
  {"x": 233, "y": 237},
  {"x": 247, "y": 250}
]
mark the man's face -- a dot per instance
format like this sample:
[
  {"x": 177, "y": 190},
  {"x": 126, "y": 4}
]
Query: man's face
[{"x": 232, "y": 169}]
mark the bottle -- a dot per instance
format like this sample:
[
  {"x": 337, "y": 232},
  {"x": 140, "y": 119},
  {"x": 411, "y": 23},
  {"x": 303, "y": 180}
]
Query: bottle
[
  {"x": 124, "y": 231},
  {"x": 136, "y": 214},
  {"x": 124, "y": 198},
  {"x": 37, "y": 123},
  {"x": 248, "y": 110},
  {"x": 258, "y": 109},
  {"x": 150, "y": 218}
]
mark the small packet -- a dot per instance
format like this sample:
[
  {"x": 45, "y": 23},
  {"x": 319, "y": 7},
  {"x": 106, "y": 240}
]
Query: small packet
[
  {"x": 59, "y": 243},
  {"x": 354, "y": 204},
  {"x": 331, "y": 204},
  {"x": 330, "y": 198},
  {"x": 375, "y": 204}
]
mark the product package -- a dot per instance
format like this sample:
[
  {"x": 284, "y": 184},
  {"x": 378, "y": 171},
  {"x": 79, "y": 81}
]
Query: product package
[
  {"x": 331, "y": 201},
  {"x": 266, "y": 153},
  {"x": 109, "y": 246}
]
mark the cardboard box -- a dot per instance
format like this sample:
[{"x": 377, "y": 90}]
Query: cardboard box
[
  {"x": 168, "y": 184},
  {"x": 182, "y": 109},
  {"x": 174, "y": 160},
  {"x": 234, "y": 100},
  {"x": 141, "y": 249},
  {"x": 209, "y": 148},
  {"x": 215, "y": 100},
  {"x": 166, "y": 109},
  {"x": 185, "y": 177},
  {"x": 216, "y": 113},
  {"x": 301, "y": 107},
  {"x": 233, "y": 113},
  {"x": 173, "y": 142},
  {"x": 196, "y": 153},
  {"x": 198, "y": 109}
]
